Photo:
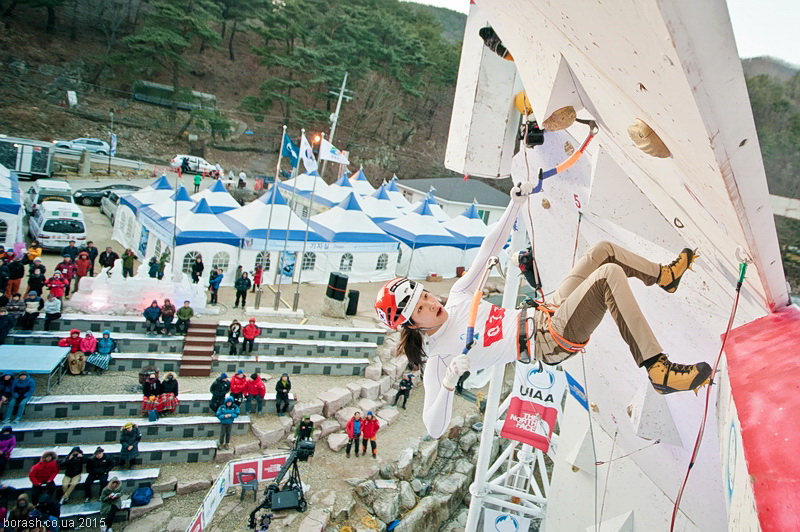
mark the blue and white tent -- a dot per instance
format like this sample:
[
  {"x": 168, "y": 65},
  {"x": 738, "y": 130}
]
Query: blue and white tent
[
  {"x": 468, "y": 226},
  {"x": 436, "y": 210},
  {"x": 179, "y": 203},
  {"x": 334, "y": 194},
  {"x": 361, "y": 184},
  {"x": 299, "y": 190},
  {"x": 397, "y": 197},
  {"x": 152, "y": 193},
  {"x": 217, "y": 197},
  {"x": 127, "y": 229},
  {"x": 379, "y": 206},
  {"x": 10, "y": 208}
]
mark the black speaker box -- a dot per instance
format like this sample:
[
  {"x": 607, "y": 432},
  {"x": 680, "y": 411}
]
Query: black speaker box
[{"x": 285, "y": 500}]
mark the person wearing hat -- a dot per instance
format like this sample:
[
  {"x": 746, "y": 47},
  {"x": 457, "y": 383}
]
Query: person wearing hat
[
  {"x": 238, "y": 387},
  {"x": 219, "y": 390},
  {"x": 255, "y": 392},
  {"x": 250, "y": 332},
  {"x": 34, "y": 251},
  {"x": 405, "y": 388},
  {"x": 304, "y": 430},
  {"x": 36, "y": 280},
  {"x": 282, "y": 389},
  {"x": 82, "y": 267},
  {"x": 73, "y": 469},
  {"x": 68, "y": 271},
  {"x": 102, "y": 356},
  {"x": 234, "y": 333},
  {"x": 226, "y": 414},
  {"x": 110, "y": 503},
  {"x": 97, "y": 468},
  {"x": 151, "y": 390},
  {"x": 33, "y": 306},
  {"x": 16, "y": 308},
  {"x": 169, "y": 393},
  {"x": 129, "y": 445},
  {"x": 21, "y": 509},
  {"x": 167, "y": 315},
  {"x": 242, "y": 285},
  {"x": 16, "y": 271},
  {"x": 151, "y": 315},
  {"x": 88, "y": 345},
  {"x": 76, "y": 360},
  {"x": 369, "y": 432},
  {"x": 42, "y": 475},
  {"x": 353, "y": 429},
  {"x": 57, "y": 285},
  {"x": 7, "y": 443},
  {"x": 47, "y": 513},
  {"x": 22, "y": 390}
]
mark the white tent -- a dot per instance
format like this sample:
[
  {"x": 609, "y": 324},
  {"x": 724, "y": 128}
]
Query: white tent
[
  {"x": 335, "y": 193},
  {"x": 436, "y": 210},
  {"x": 471, "y": 229},
  {"x": 397, "y": 197},
  {"x": 427, "y": 246},
  {"x": 178, "y": 204},
  {"x": 299, "y": 189},
  {"x": 127, "y": 229},
  {"x": 217, "y": 197},
  {"x": 361, "y": 184},
  {"x": 379, "y": 206},
  {"x": 10, "y": 208}
]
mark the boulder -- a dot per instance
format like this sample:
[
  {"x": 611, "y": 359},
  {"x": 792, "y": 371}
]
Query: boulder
[
  {"x": 366, "y": 491},
  {"x": 165, "y": 485},
  {"x": 387, "y": 503},
  {"x": 269, "y": 437},
  {"x": 429, "y": 514},
  {"x": 407, "y": 497},
  {"x": 192, "y": 485},
  {"x": 337, "y": 441},
  {"x": 317, "y": 419},
  {"x": 223, "y": 456},
  {"x": 344, "y": 506},
  {"x": 250, "y": 447},
  {"x": 417, "y": 486},
  {"x": 334, "y": 399},
  {"x": 286, "y": 423},
  {"x": 387, "y": 471},
  {"x": 386, "y": 384},
  {"x": 178, "y": 524},
  {"x": 316, "y": 520},
  {"x": 303, "y": 409},
  {"x": 373, "y": 371},
  {"x": 368, "y": 405},
  {"x": 467, "y": 441},
  {"x": 428, "y": 452},
  {"x": 329, "y": 426},
  {"x": 151, "y": 523},
  {"x": 355, "y": 390},
  {"x": 370, "y": 389},
  {"x": 155, "y": 503},
  {"x": 390, "y": 414},
  {"x": 447, "y": 448},
  {"x": 405, "y": 464},
  {"x": 344, "y": 415},
  {"x": 465, "y": 467},
  {"x": 456, "y": 424},
  {"x": 454, "y": 487}
]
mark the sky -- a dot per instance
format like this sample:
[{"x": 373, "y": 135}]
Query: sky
[{"x": 762, "y": 27}]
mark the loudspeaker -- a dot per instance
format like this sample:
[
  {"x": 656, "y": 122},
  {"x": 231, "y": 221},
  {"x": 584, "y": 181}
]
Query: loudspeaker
[
  {"x": 337, "y": 286},
  {"x": 352, "y": 302},
  {"x": 286, "y": 500}
]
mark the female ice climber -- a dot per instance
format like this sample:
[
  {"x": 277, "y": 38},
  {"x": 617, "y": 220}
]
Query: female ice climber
[{"x": 598, "y": 282}]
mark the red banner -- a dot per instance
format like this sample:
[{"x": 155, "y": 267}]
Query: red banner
[{"x": 535, "y": 405}]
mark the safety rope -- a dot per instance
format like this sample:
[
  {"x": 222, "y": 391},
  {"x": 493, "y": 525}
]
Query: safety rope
[
  {"x": 608, "y": 474},
  {"x": 701, "y": 431}
]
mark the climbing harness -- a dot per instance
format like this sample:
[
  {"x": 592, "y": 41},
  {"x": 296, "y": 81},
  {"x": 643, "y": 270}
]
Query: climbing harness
[{"x": 701, "y": 430}]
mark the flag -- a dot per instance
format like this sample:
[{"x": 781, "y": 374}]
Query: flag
[
  {"x": 535, "y": 405},
  {"x": 289, "y": 150},
  {"x": 307, "y": 155},
  {"x": 113, "y": 145},
  {"x": 329, "y": 152}
]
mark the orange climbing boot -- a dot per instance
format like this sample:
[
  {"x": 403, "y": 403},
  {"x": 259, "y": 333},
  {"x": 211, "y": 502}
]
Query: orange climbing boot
[
  {"x": 669, "y": 377},
  {"x": 670, "y": 276}
]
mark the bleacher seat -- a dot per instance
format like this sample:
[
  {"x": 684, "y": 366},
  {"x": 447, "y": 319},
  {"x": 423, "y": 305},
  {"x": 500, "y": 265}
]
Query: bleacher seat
[{"x": 130, "y": 479}]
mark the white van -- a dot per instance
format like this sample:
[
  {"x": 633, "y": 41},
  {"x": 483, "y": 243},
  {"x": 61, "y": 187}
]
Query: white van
[
  {"x": 55, "y": 223},
  {"x": 47, "y": 190}
]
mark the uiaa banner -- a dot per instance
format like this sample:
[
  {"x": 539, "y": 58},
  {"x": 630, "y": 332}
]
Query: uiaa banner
[
  {"x": 535, "y": 405},
  {"x": 494, "y": 521}
]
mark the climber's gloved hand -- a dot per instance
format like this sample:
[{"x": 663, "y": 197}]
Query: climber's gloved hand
[
  {"x": 521, "y": 191},
  {"x": 457, "y": 367}
]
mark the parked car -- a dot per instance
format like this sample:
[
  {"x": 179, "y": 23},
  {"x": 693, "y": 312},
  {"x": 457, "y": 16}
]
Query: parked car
[
  {"x": 46, "y": 190},
  {"x": 55, "y": 223},
  {"x": 100, "y": 147},
  {"x": 93, "y": 195},
  {"x": 109, "y": 204},
  {"x": 196, "y": 164}
]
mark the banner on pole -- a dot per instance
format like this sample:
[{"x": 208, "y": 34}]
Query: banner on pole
[
  {"x": 535, "y": 405},
  {"x": 496, "y": 521},
  {"x": 290, "y": 150},
  {"x": 307, "y": 155},
  {"x": 328, "y": 152},
  {"x": 113, "y": 145},
  {"x": 577, "y": 391},
  {"x": 197, "y": 522}
]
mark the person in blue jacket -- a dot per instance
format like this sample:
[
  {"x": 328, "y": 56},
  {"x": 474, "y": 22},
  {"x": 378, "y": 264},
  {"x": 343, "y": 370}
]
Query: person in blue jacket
[
  {"x": 21, "y": 392},
  {"x": 151, "y": 314},
  {"x": 213, "y": 285},
  {"x": 226, "y": 414}
]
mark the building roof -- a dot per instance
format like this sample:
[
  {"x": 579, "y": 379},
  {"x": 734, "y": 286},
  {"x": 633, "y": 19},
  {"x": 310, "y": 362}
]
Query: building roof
[{"x": 458, "y": 190}]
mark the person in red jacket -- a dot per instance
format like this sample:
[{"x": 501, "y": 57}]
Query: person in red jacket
[
  {"x": 68, "y": 271},
  {"x": 369, "y": 431},
  {"x": 82, "y": 267},
  {"x": 76, "y": 360},
  {"x": 255, "y": 392},
  {"x": 42, "y": 475},
  {"x": 250, "y": 332},
  {"x": 238, "y": 387},
  {"x": 353, "y": 429},
  {"x": 57, "y": 286}
]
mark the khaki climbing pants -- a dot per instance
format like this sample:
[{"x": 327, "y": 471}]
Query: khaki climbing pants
[{"x": 599, "y": 282}]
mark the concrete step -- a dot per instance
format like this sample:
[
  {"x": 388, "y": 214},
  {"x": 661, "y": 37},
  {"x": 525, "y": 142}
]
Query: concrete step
[
  {"x": 130, "y": 480},
  {"x": 194, "y": 370}
]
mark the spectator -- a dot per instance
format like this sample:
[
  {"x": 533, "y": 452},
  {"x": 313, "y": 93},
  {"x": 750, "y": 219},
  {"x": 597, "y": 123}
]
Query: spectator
[
  {"x": 6, "y": 385},
  {"x": 42, "y": 475},
  {"x": 219, "y": 389},
  {"x": 92, "y": 251},
  {"x": 353, "y": 429},
  {"x": 110, "y": 503},
  {"x": 234, "y": 333},
  {"x": 250, "y": 332},
  {"x": 257, "y": 275},
  {"x": 151, "y": 390},
  {"x": 21, "y": 510},
  {"x": 304, "y": 430},
  {"x": 162, "y": 264},
  {"x": 238, "y": 387},
  {"x": 47, "y": 512},
  {"x": 73, "y": 469},
  {"x": 97, "y": 468},
  {"x": 282, "y": 389},
  {"x": 167, "y": 316},
  {"x": 16, "y": 271},
  {"x": 16, "y": 307},
  {"x": 88, "y": 345},
  {"x": 185, "y": 315},
  {"x": 151, "y": 315},
  {"x": 68, "y": 272},
  {"x": 7, "y": 443},
  {"x": 213, "y": 284},
  {"x": 255, "y": 393},
  {"x": 226, "y": 414},
  {"x": 405, "y": 388},
  {"x": 34, "y": 251},
  {"x": 37, "y": 263},
  {"x": 128, "y": 258},
  {"x": 33, "y": 306},
  {"x": 237, "y": 274},
  {"x": 57, "y": 286},
  {"x": 369, "y": 431},
  {"x": 197, "y": 180},
  {"x": 102, "y": 356},
  {"x": 152, "y": 268},
  {"x": 169, "y": 394},
  {"x": 197, "y": 269},
  {"x": 52, "y": 310},
  {"x": 242, "y": 178},
  {"x": 242, "y": 285},
  {"x": 76, "y": 360},
  {"x": 6, "y": 324},
  {"x": 70, "y": 251},
  {"x": 36, "y": 281},
  {"x": 185, "y": 165},
  {"x": 129, "y": 445},
  {"x": 82, "y": 266},
  {"x": 108, "y": 258},
  {"x": 4, "y": 274}
]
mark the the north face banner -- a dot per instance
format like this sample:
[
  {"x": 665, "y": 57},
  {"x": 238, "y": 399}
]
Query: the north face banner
[{"x": 535, "y": 405}]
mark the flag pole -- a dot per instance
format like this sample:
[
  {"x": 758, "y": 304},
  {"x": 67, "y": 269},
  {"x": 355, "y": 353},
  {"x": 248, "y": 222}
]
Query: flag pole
[
  {"x": 296, "y": 301},
  {"x": 335, "y": 121},
  {"x": 289, "y": 221},
  {"x": 269, "y": 222}
]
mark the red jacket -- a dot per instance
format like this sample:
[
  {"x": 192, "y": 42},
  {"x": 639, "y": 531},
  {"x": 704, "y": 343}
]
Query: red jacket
[
  {"x": 256, "y": 387},
  {"x": 82, "y": 267},
  {"x": 67, "y": 270},
  {"x": 250, "y": 331},
  {"x": 350, "y": 427},
  {"x": 56, "y": 286},
  {"x": 369, "y": 428},
  {"x": 238, "y": 383},
  {"x": 43, "y": 472},
  {"x": 74, "y": 344}
]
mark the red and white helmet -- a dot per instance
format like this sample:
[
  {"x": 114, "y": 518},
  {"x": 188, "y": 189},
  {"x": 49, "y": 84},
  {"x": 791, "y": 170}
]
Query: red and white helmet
[{"x": 397, "y": 300}]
